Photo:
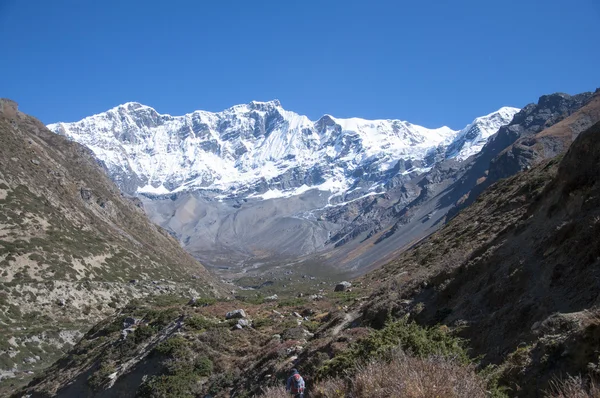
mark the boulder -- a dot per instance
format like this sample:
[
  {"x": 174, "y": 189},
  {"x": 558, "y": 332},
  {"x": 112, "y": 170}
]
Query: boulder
[
  {"x": 272, "y": 298},
  {"x": 243, "y": 323},
  {"x": 235, "y": 314},
  {"x": 342, "y": 286}
]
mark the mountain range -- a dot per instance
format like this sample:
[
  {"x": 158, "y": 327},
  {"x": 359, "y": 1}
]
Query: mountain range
[
  {"x": 262, "y": 150},
  {"x": 256, "y": 183}
]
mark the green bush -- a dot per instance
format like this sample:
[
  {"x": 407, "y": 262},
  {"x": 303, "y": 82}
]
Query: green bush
[
  {"x": 142, "y": 333},
  {"x": 418, "y": 341},
  {"x": 167, "y": 300},
  {"x": 262, "y": 322},
  {"x": 345, "y": 297},
  {"x": 203, "y": 366},
  {"x": 199, "y": 323},
  {"x": 172, "y": 347},
  {"x": 311, "y": 326},
  {"x": 173, "y": 386},
  {"x": 160, "y": 319}
]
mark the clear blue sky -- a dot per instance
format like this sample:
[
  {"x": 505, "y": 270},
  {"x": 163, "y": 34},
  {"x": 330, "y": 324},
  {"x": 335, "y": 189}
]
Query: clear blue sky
[{"x": 431, "y": 62}]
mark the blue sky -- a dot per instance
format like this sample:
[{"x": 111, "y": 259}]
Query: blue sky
[{"x": 431, "y": 62}]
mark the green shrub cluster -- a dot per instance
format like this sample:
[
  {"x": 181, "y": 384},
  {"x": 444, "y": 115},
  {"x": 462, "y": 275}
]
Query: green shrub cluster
[
  {"x": 172, "y": 347},
  {"x": 199, "y": 323},
  {"x": 262, "y": 322},
  {"x": 402, "y": 334}
]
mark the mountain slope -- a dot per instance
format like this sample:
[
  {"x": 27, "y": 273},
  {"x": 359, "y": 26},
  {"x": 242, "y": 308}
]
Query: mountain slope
[
  {"x": 412, "y": 209},
  {"x": 526, "y": 141},
  {"x": 72, "y": 247},
  {"x": 516, "y": 272}
]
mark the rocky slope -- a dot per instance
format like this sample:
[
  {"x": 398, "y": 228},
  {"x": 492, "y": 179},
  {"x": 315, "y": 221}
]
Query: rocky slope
[
  {"x": 207, "y": 177},
  {"x": 72, "y": 247}
]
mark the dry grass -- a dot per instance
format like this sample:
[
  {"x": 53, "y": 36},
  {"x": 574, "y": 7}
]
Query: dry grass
[
  {"x": 275, "y": 392},
  {"x": 574, "y": 387},
  {"x": 404, "y": 376},
  {"x": 332, "y": 388},
  {"x": 418, "y": 378}
]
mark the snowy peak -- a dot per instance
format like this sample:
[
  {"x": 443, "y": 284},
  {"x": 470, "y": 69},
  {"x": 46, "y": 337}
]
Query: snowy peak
[
  {"x": 259, "y": 147},
  {"x": 472, "y": 138}
]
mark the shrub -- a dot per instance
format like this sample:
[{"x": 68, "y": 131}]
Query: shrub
[
  {"x": 161, "y": 319},
  {"x": 332, "y": 388},
  {"x": 402, "y": 376},
  {"x": 170, "y": 386},
  {"x": 311, "y": 326},
  {"x": 262, "y": 322},
  {"x": 222, "y": 381},
  {"x": 199, "y": 323},
  {"x": 142, "y": 333},
  {"x": 412, "y": 377},
  {"x": 295, "y": 333},
  {"x": 203, "y": 366},
  {"x": 573, "y": 387},
  {"x": 345, "y": 297},
  {"x": 407, "y": 336},
  {"x": 172, "y": 347}
]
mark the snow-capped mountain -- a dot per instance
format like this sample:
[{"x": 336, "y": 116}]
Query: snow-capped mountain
[{"x": 262, "y": 150}]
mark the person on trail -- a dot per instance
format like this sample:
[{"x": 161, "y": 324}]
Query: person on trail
[{"x": 295, "y": 384}]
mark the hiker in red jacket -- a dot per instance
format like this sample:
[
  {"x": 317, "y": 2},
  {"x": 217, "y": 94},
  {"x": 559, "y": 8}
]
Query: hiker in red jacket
[{"x": 295, "y": 384}]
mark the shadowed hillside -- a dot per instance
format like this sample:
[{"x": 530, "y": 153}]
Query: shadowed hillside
[{"x": 516, "y": 272}]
